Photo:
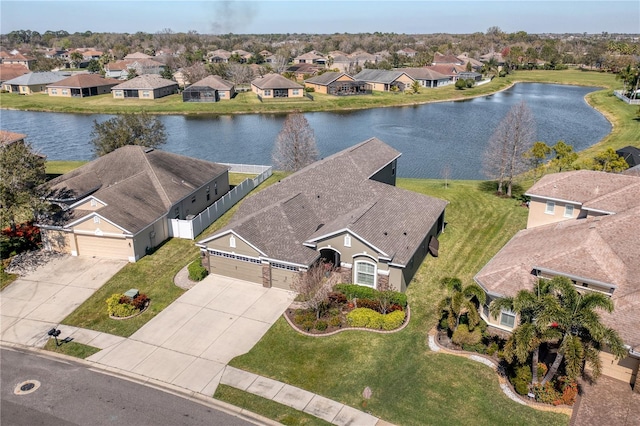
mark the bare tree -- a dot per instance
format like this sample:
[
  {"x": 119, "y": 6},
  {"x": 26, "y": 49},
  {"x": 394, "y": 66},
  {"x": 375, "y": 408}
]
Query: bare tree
[
  {"x": 504, "y": 157},
  {"x": 195, "y": 72},
  {"x": 281, "y": 60},
  {"x": 240, "y": 73},
  {"x": 312, "y": 286},
  {"x": 295, "y": 145}
]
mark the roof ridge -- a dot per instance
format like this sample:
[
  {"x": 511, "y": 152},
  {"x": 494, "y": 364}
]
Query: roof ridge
[
  {"x": 155, "y": 180},
  {"x": 613, "y": 193}
]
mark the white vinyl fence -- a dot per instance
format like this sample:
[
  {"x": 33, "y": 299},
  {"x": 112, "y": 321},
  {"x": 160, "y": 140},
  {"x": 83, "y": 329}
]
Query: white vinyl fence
[
  {"x": 190, "y": 228},
  {"x": 622, "y": 96}
]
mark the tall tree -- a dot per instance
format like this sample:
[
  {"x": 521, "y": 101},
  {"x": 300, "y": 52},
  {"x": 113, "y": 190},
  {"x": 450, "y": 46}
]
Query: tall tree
[
  {"x": 295, "y": 145},
  {"x": 76, "y": 57},
  {"x": 563, "y": 156},
  {"x": 537, "y": 155},
  {"x": 609, "y": 161},
  {"x": 127, "y": 129},
  {"x": 583, "y": 333},
  {"x": 21, "y": 173},
  {"x": 460, "y": 301},
  {"x": 503, "y": 159}
]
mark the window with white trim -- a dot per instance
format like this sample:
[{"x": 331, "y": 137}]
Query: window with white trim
[
  {"x": 365, "y": 274},
  {"x": 347, "y": 240},
  {"x": 550, "y": 207},
  {"x": 507, "y": 319},
  {"x": 267, "y": 92},
  {"x": 296, "y": 92},
  {"x": 96, "y": 219},
  {"x": 284, "y": 266},
  {"x": 568, "y": 210},
  {"x": 232, "y": 242},
  {"x": 235, "y": 256}
]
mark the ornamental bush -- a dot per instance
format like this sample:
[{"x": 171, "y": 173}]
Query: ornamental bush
[
  {"x": 117, "y": 309},
  {"x": 364, "y": 317},
  {"x": 393, "y": 320},
  {"x": 352, "y": 291},
  {"x": 462, "y": 335},
  {"x": 197, "y": 272}
]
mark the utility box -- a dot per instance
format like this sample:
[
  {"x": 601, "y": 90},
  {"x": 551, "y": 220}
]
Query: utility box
[{"x": 132, "y": 294}]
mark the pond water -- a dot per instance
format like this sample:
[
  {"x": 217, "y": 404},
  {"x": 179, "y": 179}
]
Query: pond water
[{"x": 430, "y": 137}]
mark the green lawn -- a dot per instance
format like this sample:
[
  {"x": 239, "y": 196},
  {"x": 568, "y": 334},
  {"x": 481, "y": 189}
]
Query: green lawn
[
  {"x": 410, "y": 384},
  {"x": 74, "y": 349}
]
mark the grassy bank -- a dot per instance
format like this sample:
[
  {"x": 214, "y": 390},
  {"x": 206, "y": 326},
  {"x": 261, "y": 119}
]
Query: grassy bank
[{"x": 410, "y": 384}]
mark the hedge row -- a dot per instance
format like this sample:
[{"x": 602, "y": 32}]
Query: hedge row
[
  {"x": 368, "y": 318},
  {"x": 352, "y": 291}
]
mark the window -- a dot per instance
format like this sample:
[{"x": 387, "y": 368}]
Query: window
[
  {"x": 145, "y": 93},
  {"x": 54, "y": 91},
  {"x": 551, "y": 206},
  {"x": 221, "y": 94},
  {"x": 568, "y": 210},
  {"x": 365, "y": 274},
  {"x": 267, "y": 92},
  {"x": 347, "y": 240},
  {"x": 215, "y": 188},
  {"x": 283, "y": 266},
  {"x": 96, "y": 219},
  {"x": 65, "y": 92},
  {"x": 232, "y": 242},
  {"x": 507, "y": 319},
  {"x": 296, "y": 92},
  {"x": 193, "y": 199}
]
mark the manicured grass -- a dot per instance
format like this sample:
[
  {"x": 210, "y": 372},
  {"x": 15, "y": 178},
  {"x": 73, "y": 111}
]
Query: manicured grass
[
  {"x": 270, "y": 409},
  {"x": 152, "y": 275},
  {"x": 6, "y": 279},
  {"x": 74, "y": 349},
  {"x": 410, "y": 384}
]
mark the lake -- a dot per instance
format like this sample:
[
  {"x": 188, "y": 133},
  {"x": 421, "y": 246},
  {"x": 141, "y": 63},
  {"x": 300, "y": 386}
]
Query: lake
[{"x": 430, "y": 137}]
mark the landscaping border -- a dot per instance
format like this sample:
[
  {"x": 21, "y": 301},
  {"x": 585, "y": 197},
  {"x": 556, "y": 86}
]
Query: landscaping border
[
  {"x": 432, "y": 340},
  {"x": 142, "y": 311},
  {"x": 331, "y": 333}
]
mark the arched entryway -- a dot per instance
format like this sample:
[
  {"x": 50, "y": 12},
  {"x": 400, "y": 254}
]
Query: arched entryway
[{"x": 331, "y": 256}]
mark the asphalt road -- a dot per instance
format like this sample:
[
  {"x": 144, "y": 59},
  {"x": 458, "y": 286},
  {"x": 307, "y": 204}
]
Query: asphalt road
[{"x": 71, "y": 394}]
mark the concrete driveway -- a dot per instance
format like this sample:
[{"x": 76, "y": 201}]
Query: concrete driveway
[
  {"x": 189, "y": 343},
  {"x": 36, "y": 302}
]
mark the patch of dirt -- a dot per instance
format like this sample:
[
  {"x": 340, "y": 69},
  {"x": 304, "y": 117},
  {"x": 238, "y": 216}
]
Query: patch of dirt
[{"x": 29, "y": 261}]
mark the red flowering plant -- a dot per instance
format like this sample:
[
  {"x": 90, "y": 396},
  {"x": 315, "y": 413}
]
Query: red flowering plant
[{"x": 24, "y": 237}]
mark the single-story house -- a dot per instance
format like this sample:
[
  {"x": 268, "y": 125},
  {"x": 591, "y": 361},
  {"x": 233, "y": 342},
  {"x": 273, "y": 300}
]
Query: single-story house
[
  {"x": 338, "y": 84},
  {"x": 408, "y": 52},
  {"x": 148, "y": 86},
  {"x": 439, "y": 58},
  {"x": 212, "y": 88},
  {"x": 33, "y": 82},
  {"x": 137, "y": 55},
  {"x": 449, "y": 70},
  {"x": 218, "y": 56},
  {"x": 344, "y": 211},
  {"x": 302, "y": 71},
  {"x": 312, "y": 57},
  {"x": 631, "y": 155},
  {"x": 82, "y": 85},
  {"x": 119, "y": 205},
  {"x": 384, "y": 81},
  {"x": 11, "y": 71},
  {"x": 276, "y": 86},
  {"x": 426, "y": 77},
  {"x": 583, "y": 225},
  {"x": 120, "y": 69}
]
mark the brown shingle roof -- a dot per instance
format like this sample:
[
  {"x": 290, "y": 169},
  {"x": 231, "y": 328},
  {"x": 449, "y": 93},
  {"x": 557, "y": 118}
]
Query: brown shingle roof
[
  {"x": 275, "y": 81},
  {"x": 10, "y": 71},
  {"x": 146, "y": 81},
  {"x": 139, "y": 185},
  {"x": 332, "y": 195},
  {"x": 327, "y": 78},
  {"x": 7, "y": 137},
  {"x": 85, "y": 80},
  {"x": 423, "y": 74},
  {"x": 214, "y": 82}
]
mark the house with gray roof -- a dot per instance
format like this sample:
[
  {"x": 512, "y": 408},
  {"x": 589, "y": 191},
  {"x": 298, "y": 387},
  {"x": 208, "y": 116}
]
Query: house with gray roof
[
  {"x": 33, "y": 82},
  {"x": 345, "y": 211},
  {"x": 119, "y": 205},
  {"x": 276, "y": 86},
  {"x": 337, "y": 84},
  {"x": 82, "y": 85},
  {"x": 384, "y": 80},
  {"x": 147, "y": 86},
  {"x": 427, "y": 77},
  {"x": 212, "y": 88},
  {"x": 591, "y": 235}
]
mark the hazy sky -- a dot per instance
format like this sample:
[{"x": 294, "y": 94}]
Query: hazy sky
[{"x": 322, "y": 17}]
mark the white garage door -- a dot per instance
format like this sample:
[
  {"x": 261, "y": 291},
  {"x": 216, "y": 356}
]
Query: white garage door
[
  {"x": 111, "y": 248},
  {"x": 234, "y": 268}
]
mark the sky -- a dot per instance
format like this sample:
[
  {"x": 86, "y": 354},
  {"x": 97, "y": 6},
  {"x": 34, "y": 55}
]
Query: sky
[{"x": 322, "y": 17}]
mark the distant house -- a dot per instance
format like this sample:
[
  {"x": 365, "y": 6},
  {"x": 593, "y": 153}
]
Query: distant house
[
  {"x": 11, "y": 71},
  {"x": 451, "y": 71},
  {"x": 631, "y": 155},
  {"x": 119, "y": 205},
  {"x": 475, "y": 64},
  {"x": 120, "y": 69},
  {"x": 426, "y": 77},
  {"x": 408, "y": 52},
  {"x": 344, "y": 212},
  {"x": 583, "y": 225},
  {"x": 243, "y": 55},
  {"x": 337, "y": 84},
  {"x": 276, "y": 86},
  {"x": 35, "y": 82},
  {"x": 82, "y": 85},
  {"x": 493, "y": 55},
  {"x": 218, "y": 56},
  {"x": 302, "y": 71},
  {"x": 440, "y": 59},
  {"x": 383, "y": 80},
  {"x": 18, "y": 59},
  {"x": 137, "y": 55},
  {"x": 312, "y": 57},
  {"x": 146, "y": 86},
  {"x": 212, "y": 88}
]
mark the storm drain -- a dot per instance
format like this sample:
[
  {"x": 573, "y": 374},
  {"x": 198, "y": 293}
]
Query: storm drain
[{"x": 26, "y": 387}]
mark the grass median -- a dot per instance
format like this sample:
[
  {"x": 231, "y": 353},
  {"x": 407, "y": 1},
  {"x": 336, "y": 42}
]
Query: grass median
[{"x": 410, "y": 384}]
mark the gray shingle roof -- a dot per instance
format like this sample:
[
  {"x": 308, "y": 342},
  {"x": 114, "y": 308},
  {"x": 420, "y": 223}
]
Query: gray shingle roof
[
  {"x": 214, "y": 82},
  {"x": 423, "y": 74},
  {"x": 331, "y": 195},
  {"x": 275, "y": 81},
  {"x": 139, "y": 185},
  {"x": 327, "y": 78},
  {"x": 37, "y": 78},
  {"x": 146, "y": 81},
  {"x": 378, "y": 76}
]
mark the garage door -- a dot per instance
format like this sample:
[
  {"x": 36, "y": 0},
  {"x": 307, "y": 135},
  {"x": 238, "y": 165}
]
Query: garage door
[
  {"x": 234, "y": 268},
  {"x": 281, "y": 278},
  {"x": 111, "y": 248}
]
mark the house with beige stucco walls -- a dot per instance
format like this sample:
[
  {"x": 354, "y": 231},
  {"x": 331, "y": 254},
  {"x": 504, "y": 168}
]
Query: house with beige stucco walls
[
  {"x": 583, "y": 225},
  {"x": 344, "y": 211},
  {"x": 337, "y": 84},
  {"x": 120, "y": 205},
  {"x": 148, "y": 86},
  {"x": 81, "y": 86},
  {"x": 276, "y": 86},
  {"x": 385, "y": 81},
  {"x": 33, "y": 82}
]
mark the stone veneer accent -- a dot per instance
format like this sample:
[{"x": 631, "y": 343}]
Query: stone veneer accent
[{"x": 266, "y": 275}]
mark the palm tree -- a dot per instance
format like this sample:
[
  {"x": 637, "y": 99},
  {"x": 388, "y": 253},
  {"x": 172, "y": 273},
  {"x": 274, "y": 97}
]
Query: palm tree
[
  {"x": 526, "y": 339},
  {"x": 583, "y": 334},
  {"x": 460, "y": 302}
]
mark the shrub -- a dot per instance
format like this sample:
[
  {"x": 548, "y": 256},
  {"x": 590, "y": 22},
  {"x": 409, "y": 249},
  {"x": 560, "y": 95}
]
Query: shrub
[
  {"x": 462, "y": 336},
  {"x": 302, "y": 317},
  {"x": 117, "y": 309},
  {"x": 393, "y": 320},
  {"x": 25, "y": 237},
  {"x": 364, "y": 317},
  {"x": 356, "y": 291},
  {"x": 307, "y": 325},
  {"x": 369, "y": 303},
  {"x": 547, "y": 394},
  {"x": 335, "y": 321},
  {"x": 522, "y": 379},
  {"x": 470, "y": 82},
  {"x": 478, "y": 347},
  {"x": 460, "y": 84},
  {"x": 492, "y": 348},
  {"x": 197, "y": 272},
  {"x": 337, "y": 298},
  {"x": 140, "y": 301},
  {"x": 321, "y": 325}
]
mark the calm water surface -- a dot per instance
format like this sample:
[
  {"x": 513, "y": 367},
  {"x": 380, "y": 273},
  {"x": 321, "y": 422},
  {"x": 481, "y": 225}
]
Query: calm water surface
[{"x": 430, "y": 137}]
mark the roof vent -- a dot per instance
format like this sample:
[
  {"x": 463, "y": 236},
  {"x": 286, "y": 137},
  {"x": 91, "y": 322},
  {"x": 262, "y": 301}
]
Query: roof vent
[
  {"x": 148, "y": 150},
  {"x": 404, "y": 233},
  {"x": 385, "y": 232}
]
